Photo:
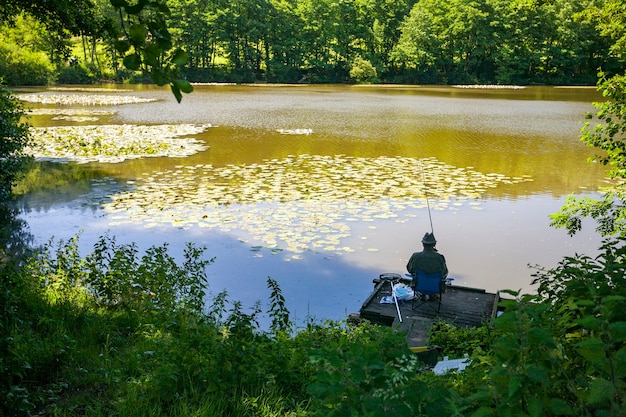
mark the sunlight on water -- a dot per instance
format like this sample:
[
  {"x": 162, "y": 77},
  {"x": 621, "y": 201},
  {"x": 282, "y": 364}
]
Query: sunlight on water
[{"x": 325, "y": 187}]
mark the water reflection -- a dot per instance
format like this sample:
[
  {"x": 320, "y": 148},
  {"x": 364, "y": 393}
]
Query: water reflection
[{"x": 496, "y": 163}]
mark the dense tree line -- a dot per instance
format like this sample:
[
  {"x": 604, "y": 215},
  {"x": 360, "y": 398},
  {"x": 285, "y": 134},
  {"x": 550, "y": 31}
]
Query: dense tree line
[
  {"x": 426, "y": 41},
  {"x": 400, "y": 41}
]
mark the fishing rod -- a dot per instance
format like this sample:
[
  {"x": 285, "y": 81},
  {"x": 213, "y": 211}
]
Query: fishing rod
[
  {"x": 430, "y": 218},
  {"x": 395, "y": 300}
]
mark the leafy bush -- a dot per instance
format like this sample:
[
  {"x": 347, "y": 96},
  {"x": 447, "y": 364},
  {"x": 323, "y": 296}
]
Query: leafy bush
[
  {"x": 14, "y": 137},
  {"x": 74, "y": 74},
  {"x": 362, "y": 71},
  {"x": 19, "y": 66}
]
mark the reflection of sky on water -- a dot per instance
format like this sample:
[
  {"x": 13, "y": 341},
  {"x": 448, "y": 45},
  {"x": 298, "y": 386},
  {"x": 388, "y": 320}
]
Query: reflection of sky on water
[
  {"x": 521, "y": 134},
  {"x": 486, "y": 249}
]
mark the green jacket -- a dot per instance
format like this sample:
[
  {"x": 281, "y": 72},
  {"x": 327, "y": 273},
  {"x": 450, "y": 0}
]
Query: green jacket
[{"x": 428, "y": 261}]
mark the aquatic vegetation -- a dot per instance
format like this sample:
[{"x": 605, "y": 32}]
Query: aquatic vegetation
[
  {"x": 72, "y": 115},
  {"x": 70, "y": 112},
  {"x": 295, "y": 131},
  {"x": 114, "y": 143},
  {"x": 83, "y": 99},
  {"x": 491, "y": 86},
  {"x": 88, "y": 89},
  {"x": 299, "y": 203}
]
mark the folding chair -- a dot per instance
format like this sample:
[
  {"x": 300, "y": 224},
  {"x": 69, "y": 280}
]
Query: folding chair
[{"x": 430, "y": 285}]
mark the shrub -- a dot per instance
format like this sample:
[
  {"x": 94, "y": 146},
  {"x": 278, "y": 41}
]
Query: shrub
[
  {"x": 74, "y": 74},
  {"x": 14, "y": 137},
  {"x": 19, "y": 66},
  {"x": 362, "y": 71}
]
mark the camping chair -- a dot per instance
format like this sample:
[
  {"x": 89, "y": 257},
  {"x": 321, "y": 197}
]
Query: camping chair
[{"x": 425, "y": 284}]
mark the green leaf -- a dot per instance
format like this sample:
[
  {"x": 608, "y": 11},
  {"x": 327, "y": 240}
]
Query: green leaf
[
  {"x": 151, "y": 54},
  {"x": 589, "y": 322},
  {"x": 592, "y": 349},
  {"x": 137, "y": 33},
  {"x": 484, "y": 412},
  {"x": 601, "y": 391},
  {"x": 317, "y": 389},
  {"x": 119, "y": 3},
  {"x": 137, "y": 8},
  {"x": 176, "y": 92},
  {"x": 535, "y": 407},
  {"x": 159, "y": 77},
  {"x": 162, "y": 8},
  {"x": 541, "y": 337},
  {"x": 618, "y": 331},
  {"x": 537, "y": 374},
  {"x": 179, "y": 57},
  {"x": 514, "y": 386},
  {"x": 184, "y": 86},
  {"x": 613, "y": 299},
  {"x": 122, "y": 46},
  {"x": 132, "y": 62},
  {"x": 560, "y": 407},
  {"x": 586, "y": 303},
  {"x": 620, "y": 363}
]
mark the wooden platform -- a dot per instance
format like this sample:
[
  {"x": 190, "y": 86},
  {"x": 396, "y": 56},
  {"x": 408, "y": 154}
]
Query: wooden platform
[{"x": 461, "y": 306}]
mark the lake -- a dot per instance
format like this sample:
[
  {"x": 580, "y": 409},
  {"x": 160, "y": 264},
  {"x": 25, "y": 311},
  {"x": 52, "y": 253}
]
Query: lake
[{"x": 324, "y": 188}]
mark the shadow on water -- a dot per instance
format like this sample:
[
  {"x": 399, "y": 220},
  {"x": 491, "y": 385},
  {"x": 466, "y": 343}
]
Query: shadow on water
[
  {"x": 15, "y": 236},
  {"x": 489, "y": 239}
]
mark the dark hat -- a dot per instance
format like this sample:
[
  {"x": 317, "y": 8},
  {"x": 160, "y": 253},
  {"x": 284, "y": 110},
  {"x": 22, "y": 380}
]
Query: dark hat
[{"x": 429, "y": 239}]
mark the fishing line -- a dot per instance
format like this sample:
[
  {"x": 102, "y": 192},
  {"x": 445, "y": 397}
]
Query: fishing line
[{"x": 426, "y": 195}]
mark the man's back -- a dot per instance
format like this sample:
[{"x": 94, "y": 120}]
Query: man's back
[{"x": 428, "y": 261}]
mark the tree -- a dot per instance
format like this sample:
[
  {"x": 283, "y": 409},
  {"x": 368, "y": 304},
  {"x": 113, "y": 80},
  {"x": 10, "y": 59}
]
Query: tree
[
  {"x": 23, "y": 58},
  {"x": 145, "y": 43},
  {"x": 142, "y": 39},
  {"x": 608, "y": 135},
  {"x": 14, "y": 137}
]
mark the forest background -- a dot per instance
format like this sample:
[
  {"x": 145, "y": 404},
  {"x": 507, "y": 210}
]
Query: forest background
[
  {"x": 324, "y": 41},
  {"x": 118, "y": 333}
]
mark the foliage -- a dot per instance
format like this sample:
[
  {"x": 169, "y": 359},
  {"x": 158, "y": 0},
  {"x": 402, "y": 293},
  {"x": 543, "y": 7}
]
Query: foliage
[
  {"x": 587, "y": 300},
  {"x": 278, "y": 311},
  {"x": 115, "y": 277},
  {"x": 74, "y": 74},
  {"x": 436, "y": 41},
  {"x": 142, "y": 40},
  {"x": 369, "y": 372},
  {"x": 607, "y": 133},
  {"x": 145, "y": 43},
  {"x": 362, "y": 71},
  {"x": 23, "y": 57},
  {"x": 608, "y": 136},
  {"x": 459, "y": 341},
  {"x": 113, "y": 333},
  {"x": 14, "y": 137}
]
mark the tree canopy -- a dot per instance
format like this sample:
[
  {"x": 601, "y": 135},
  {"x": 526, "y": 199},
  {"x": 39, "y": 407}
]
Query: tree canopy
[
  {"x": 141, "y": 36},
  {"x": 407, "y": 41},
  {"x": 15, "y": 136}
]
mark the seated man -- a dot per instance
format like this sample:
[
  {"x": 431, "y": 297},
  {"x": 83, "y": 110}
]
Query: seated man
[{"x": 428, "y": 260}]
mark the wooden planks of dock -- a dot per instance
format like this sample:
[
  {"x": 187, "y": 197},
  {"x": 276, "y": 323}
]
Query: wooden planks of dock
[{"x": 460, "y": 306}]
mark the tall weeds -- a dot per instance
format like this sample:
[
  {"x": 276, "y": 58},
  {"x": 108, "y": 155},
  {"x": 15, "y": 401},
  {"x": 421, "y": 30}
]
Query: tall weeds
[{"x": 118, "y": 334}]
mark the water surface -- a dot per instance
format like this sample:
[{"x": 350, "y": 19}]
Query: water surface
[{"x": 325, "y": 187}]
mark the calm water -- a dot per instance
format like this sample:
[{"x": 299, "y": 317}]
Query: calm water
[{"x": 325, "y": 249}]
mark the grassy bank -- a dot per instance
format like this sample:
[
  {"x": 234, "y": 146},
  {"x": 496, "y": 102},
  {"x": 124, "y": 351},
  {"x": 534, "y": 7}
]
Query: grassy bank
[{"x": 119, "y": 333}]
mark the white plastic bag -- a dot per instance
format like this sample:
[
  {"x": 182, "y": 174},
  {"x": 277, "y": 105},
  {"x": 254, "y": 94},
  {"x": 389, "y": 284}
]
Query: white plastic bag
[{"x": 403, "y": 292}]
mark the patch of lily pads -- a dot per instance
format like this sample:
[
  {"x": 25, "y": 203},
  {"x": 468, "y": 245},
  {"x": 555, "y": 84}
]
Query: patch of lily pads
[
  {"x": 72, "y": 115},
  {"x": 114, "y": 143},
  {"x": 299, "y": 203},
  {"x": 83, "y": 99},
  {"x": 89, "y": 89}
]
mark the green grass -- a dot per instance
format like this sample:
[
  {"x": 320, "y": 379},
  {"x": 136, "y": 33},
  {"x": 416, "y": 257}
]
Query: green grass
[{"x": 119, "y": 334}]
